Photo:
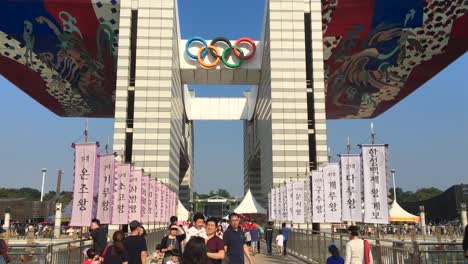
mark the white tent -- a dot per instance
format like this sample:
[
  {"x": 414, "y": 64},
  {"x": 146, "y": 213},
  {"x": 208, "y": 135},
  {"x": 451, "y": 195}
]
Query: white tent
[
  {"x": 249, "y": 205},
  {"x": 182, "y": 213},
  {"x": 398, "y": 214}
]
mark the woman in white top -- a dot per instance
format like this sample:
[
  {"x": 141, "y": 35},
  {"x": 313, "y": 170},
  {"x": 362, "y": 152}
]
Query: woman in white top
[{"x": 355, "y": 253}]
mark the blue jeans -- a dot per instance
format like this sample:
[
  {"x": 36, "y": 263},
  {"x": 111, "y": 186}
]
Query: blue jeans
[
  {"x": 268, "y": 242},
  {"x": 285, "y": 243}
]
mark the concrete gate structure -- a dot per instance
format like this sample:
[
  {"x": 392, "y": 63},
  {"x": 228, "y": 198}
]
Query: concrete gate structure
[{"x": 154, "y": 114}]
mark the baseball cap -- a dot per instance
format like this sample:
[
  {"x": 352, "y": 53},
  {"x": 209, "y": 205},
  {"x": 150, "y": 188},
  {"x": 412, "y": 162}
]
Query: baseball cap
[
  {"x": 134, "y": 224},
  {"x": 332, "y": 244}
]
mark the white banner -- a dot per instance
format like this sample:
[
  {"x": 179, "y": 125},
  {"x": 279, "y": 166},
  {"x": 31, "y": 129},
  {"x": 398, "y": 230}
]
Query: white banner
[
  {"x": 290, "y": 199},
  {"x": 276, "y": 206},
  {"x": 374, "y": 167},
  {"x": 83, "y": 183},
  {"x": 298, "y": 202},
  {"x": 269, "y": 206},
  {"x": 283, "y": 203},
  {"x": 144, "y": 202},
  {"x": 134, "y": 195},
  {"x": 318, "y": 201},
  {"x": 106, "y": 179},
  {"x": 307, "y": 201},
  {"x": 351, "y": 182},
  {"x": 332, "y": 188},
  {"x": 120, "y": 197}
]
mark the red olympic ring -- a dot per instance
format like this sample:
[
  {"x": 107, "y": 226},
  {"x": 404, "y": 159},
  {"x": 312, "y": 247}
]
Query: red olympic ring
[{"x": 251, "y": 43}]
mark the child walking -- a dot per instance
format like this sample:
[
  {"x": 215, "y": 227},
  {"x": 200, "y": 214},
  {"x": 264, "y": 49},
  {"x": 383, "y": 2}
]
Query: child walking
[{"x": 279, "y": 242}]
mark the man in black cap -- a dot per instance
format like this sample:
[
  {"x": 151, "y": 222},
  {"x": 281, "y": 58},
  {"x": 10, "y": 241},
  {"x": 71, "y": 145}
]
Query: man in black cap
[
  {"x": 136, "y": 245},
  {"x": 99, "y": 236}
]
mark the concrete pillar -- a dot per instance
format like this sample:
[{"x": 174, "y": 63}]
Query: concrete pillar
[
  {"x": 58, "y": 219},
  {"x": 7, "y": 224},
  {"x": 422, "y": 215},
  {"x": 463, "y": 216}
]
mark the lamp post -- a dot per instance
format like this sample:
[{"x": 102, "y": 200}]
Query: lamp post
[
  {"x": 394, "y": 186},
  {"x": 44, "y": 170}
]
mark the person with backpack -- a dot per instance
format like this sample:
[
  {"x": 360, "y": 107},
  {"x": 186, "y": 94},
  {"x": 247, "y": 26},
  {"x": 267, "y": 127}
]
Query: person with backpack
[
  {"x": 357, "y": 250},
  {"x": 4, "y": 258}
]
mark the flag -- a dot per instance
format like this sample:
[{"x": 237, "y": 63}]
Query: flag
[
  {"x": 332, "y": 191},
  {"x": 106, "y": 180},
  {"x": 351, "y": 187},
  {"x": 298, "y": 202},
  {"x": 134, "y": 195},
  {"x": 120, "y": 197},
  {"x": 318, "y": 201},
  {"x": 83, "y": 183},
  {"x": 374, "y": 167}
]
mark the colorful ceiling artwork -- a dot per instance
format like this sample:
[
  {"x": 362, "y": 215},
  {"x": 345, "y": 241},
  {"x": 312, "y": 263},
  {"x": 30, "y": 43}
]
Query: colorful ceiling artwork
[
  {"x": 61, "y": 53},
  {"x": 378, "y": 52},
  {"x": 64, "y": 54}
]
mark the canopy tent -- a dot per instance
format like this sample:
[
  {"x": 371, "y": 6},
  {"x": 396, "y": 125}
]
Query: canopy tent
[
  {"x": 398, "y": 214},
  {"x": 182, "y": 213},
  {"x": 249, "y": 205}
]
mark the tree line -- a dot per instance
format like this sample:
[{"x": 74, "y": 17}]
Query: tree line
[
  {"x": 31, "y": 194},
  {"x": 419, "y": 195}
]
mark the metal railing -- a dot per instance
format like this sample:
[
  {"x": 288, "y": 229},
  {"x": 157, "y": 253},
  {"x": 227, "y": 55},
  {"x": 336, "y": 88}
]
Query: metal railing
[
  {"x": 63, "y": 252},
  {"x": 312, "y": 246},
  {"x": 69, "y": 252}
]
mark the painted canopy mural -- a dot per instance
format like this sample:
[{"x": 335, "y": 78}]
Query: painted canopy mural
[{"x": 63, "y": 53}]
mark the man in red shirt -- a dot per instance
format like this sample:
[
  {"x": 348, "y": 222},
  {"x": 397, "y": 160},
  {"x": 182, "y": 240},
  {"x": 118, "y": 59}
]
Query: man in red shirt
[{"x": 214, "y": 244}]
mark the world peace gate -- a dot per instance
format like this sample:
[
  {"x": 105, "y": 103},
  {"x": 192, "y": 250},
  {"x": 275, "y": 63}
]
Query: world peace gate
[{"x": 315, "y": 60}]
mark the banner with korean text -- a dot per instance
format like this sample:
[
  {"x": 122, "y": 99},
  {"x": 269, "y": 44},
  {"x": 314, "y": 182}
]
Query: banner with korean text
[
  {"x": 120, "y": 196},
  {"x": 144, "y": 202},
  {"x": 275, "y": 198},
  {"x": 290, "y": 199},
  {"x": 284, "y": 202},
  {"x": 332, "y": 190},
  {"x": 298, "y": 202},
  {"x": 318, "y": 201},
  {"x": 83, "y": 183},
  {"x": 158, "y": 196},
  {"x": 374, "y": 167},
  {"x": 307, "y": 200},
  {"x": 163, "y": 217},
  {"x": 106, "y": 180},
  {"x": 351, "y": 189},
  {"x": 134, "y": 195},
  {"x": 151, "y": 193}
]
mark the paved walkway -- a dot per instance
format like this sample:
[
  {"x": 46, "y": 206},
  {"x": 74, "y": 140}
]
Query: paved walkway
[{"x": 273, "y": 259}]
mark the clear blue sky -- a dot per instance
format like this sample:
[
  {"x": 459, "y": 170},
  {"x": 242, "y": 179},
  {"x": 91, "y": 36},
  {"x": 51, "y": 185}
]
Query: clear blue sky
[{"x": 427, "y": 132}]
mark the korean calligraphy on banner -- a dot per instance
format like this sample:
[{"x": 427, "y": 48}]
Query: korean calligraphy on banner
[
  {"x": 120, "y": 197},
  {"x": 163, "y": 203},
  {"x": 290, "y": 200},
  {"x": 332, "y": 191},
  {"x": 155, "y": 213},
  {"x": 83, "y": 183},
  {"x": 157, "y": 205},
  {"x": 374, "y": 166},
  {"x": 144, "y": 202},
  {"x": 284, "y": 202},
  {"x": 351, "y": 189},
  {"x": 270, "y": 206},
  {"x": 307, "y": 200},
  {"x": 134, "y": 195},
  {"x": 151, "y": 189},
  {"x": 298, "y": 202},
  {"x": 106, "y": 180},
  {"x": 318, "y": 199},
  {"x": 159, "y": 202}
]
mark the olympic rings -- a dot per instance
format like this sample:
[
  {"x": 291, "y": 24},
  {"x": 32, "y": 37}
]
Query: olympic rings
[{"x": 226, "y": 53}]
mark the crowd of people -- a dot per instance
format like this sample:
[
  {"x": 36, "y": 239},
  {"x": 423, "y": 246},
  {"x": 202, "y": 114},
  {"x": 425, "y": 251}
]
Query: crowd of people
[{"x": 207, "y": 241}]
